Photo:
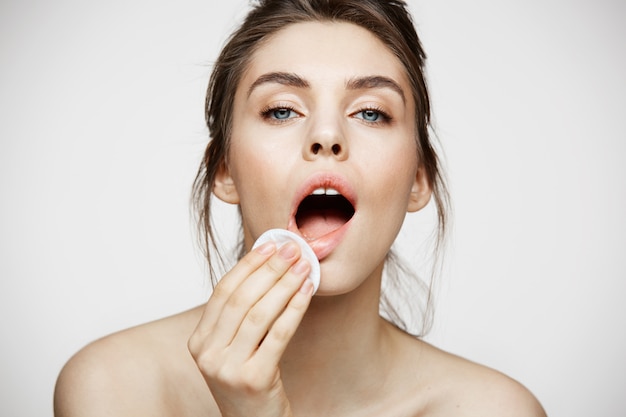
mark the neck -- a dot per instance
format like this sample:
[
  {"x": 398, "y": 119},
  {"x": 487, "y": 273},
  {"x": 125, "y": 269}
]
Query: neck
[{"x": 341, "y": 347}]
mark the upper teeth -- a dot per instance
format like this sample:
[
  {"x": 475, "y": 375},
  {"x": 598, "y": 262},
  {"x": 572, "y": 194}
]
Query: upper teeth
[{"x": 325, "y": 191}]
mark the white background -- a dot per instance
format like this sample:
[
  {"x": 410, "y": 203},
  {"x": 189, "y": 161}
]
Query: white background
[{"x": 101, "y": 109}]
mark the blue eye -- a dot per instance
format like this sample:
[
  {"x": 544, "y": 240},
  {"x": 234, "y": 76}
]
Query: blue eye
[
  {"x": 281, "y": 113},
  {"x": 370, "y": 115}
]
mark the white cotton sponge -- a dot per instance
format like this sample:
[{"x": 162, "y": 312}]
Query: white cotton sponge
[{"x": 282, "y": 236}]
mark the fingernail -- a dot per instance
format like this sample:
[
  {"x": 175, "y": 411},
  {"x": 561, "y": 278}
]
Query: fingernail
[
  {"x": 306, "y": 287},
  {"x": 301, "y": 267},
  {"x": 288, "y": 250},
  {"x": 266, "y": 248}
]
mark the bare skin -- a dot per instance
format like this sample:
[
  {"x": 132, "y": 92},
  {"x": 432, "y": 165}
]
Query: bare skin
[
  {"x": 148, "y": 371},
  {"x": 323, "y": 98}
]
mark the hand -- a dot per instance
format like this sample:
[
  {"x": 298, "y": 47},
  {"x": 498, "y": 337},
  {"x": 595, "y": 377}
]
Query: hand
[{"x": 246, "y": 325}]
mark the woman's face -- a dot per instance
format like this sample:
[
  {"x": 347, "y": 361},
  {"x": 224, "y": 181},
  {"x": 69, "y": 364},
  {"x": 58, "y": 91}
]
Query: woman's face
[{"x": 323, "y": 144}]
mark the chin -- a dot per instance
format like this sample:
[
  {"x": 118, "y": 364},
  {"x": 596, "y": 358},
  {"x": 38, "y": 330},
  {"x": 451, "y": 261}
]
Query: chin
[{"x": 340, "y": 276}]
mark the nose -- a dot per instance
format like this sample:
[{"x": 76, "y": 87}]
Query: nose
[{"x": 326, "y": 139}]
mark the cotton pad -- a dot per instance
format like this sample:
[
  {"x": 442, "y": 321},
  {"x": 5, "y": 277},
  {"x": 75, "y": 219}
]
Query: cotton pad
[{"x": 282, "y": 236}]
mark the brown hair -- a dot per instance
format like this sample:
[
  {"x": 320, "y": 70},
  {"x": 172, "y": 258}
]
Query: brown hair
[{"x": 389, "y": 20}]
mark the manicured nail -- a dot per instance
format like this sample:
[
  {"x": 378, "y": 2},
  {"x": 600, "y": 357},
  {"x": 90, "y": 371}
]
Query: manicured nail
[
  {"x": 288, "y": 250},
  {"x": 306, "y": 287},
  {"x": 302, "y": 267},
  {"x": 267, "y": 248}
]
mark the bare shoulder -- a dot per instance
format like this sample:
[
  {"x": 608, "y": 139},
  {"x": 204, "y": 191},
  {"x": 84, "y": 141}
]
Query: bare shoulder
[
  {"x": 131, "y": 372},
  {"x": 469, "y": 389}
]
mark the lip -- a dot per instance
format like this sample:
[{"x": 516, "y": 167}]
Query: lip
[{"x": 323, "y": 245}]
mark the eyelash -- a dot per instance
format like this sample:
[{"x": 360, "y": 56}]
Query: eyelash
[
  {"x": 385, "y": 118},
  {"x": 266, "y": 113}
]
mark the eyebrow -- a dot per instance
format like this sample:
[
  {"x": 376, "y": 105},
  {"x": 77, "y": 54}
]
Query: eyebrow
[
  {"x": 358, "y": 83},
  {"x": 284, "y": 78},
  {"x": 375, "y": 81}
]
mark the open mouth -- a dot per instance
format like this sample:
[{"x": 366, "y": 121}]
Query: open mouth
[{"x": 322, "y": 212}]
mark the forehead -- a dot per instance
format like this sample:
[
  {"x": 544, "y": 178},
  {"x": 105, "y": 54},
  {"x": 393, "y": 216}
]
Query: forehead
[{"x": 321, "y": 51}]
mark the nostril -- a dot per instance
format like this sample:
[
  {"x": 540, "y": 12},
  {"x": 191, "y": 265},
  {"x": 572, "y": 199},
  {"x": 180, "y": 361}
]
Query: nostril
[{"x": 317, "y": 147}]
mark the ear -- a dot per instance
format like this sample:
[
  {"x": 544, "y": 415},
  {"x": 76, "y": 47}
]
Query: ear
[
  {"x": 224, "y": 185},
  {"x": 420, "y": 191}
]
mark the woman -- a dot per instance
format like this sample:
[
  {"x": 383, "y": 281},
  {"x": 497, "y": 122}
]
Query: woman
[{"x": 318, "y": 113}]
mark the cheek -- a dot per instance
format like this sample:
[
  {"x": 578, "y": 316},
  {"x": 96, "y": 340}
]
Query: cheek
[
  {"x": 256, "y": 168},
  {"x": 259, "y": 174},
  {"x": 396, "y": 170}
]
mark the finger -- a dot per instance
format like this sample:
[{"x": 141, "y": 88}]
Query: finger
[
  {"x": 265, "y": 312},
  {"x": 251, "y": 290},
  {"x": 282, "y": 330},
  {"x": 230, "y": 282}
]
